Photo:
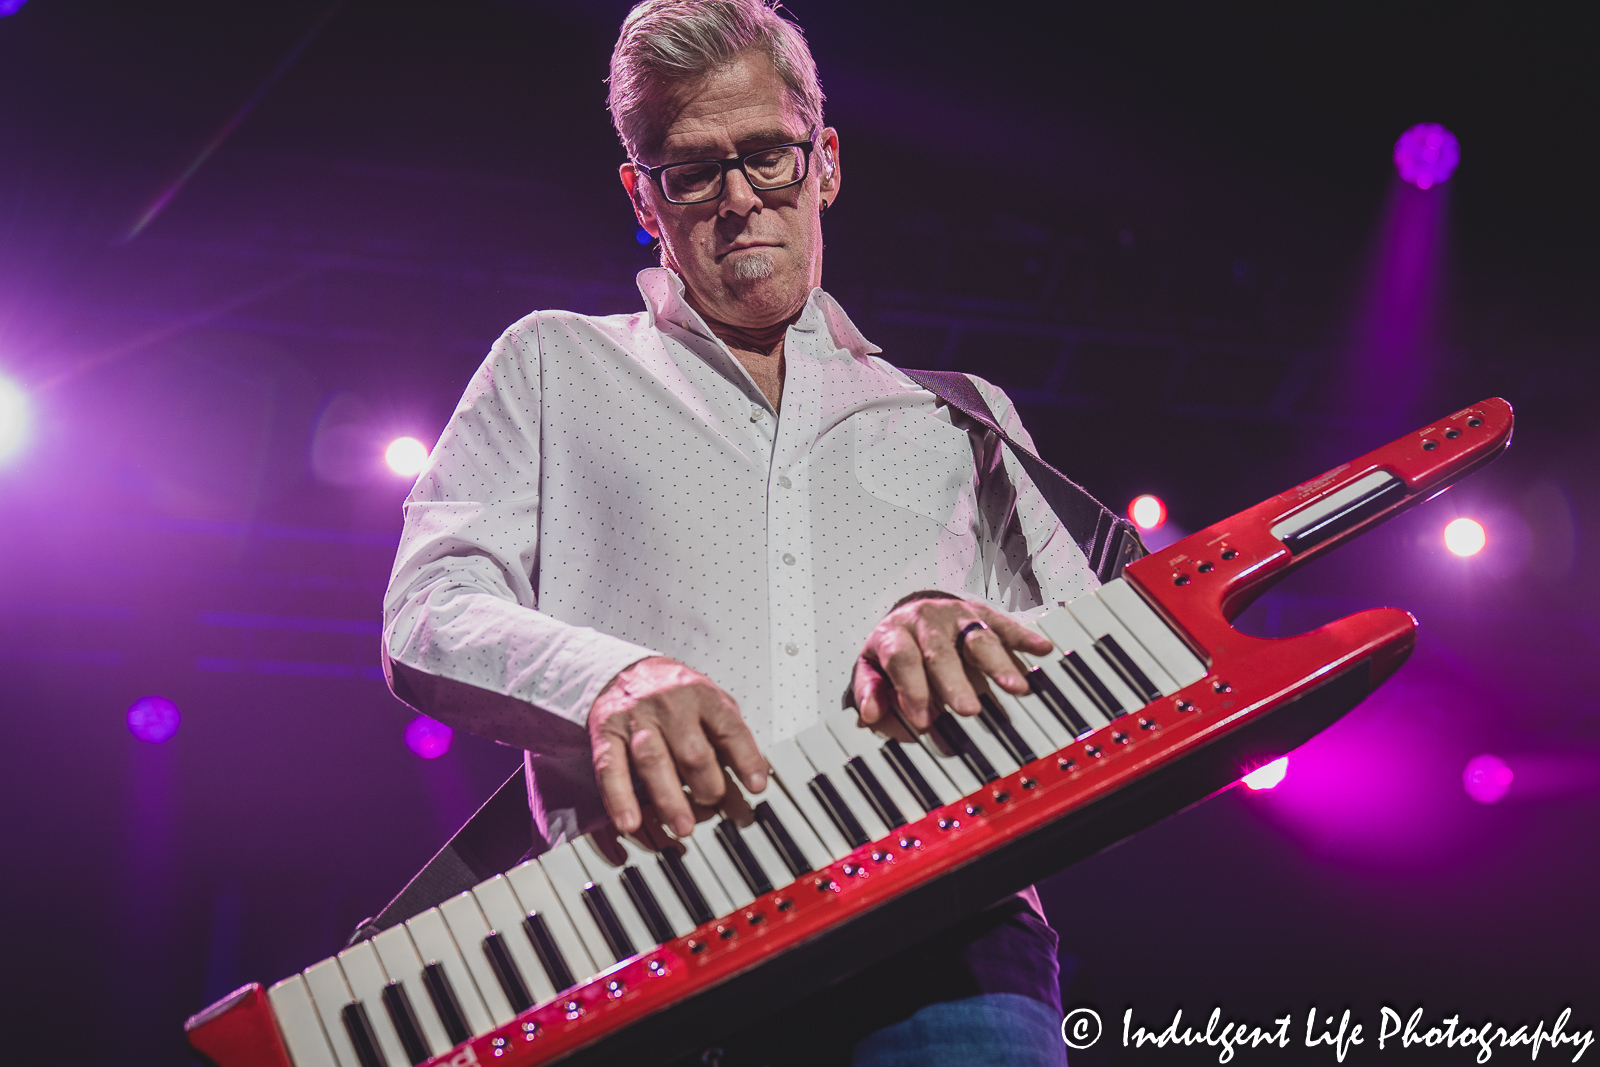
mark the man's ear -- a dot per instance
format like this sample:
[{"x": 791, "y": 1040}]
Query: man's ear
[
  {"x": 828, "y": 152},
  {"x": 641, "y": 210}
]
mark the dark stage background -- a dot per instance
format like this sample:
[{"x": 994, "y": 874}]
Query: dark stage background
[{"x": 230, "y": 272}]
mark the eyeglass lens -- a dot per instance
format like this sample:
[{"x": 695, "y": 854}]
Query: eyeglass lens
[{"x": 772, "y": 169}]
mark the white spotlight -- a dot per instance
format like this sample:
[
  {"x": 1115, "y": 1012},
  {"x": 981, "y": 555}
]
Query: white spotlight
[
  {"x": 13, "y": 418},
  {"x": 1465, "y": 537},
  {"x": 1147, "y": 512},
  {"x": 406, "y": 456}
]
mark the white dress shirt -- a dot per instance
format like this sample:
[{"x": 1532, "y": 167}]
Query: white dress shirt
[{"x": 616, "y": 487}]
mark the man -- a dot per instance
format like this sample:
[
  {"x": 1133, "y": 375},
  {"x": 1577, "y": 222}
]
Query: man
[{"x": 647, "y": 546}]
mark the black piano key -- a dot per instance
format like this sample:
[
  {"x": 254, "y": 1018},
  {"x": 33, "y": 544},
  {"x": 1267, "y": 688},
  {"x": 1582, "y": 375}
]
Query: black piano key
[
  {"x": 445, "y": 1003},
  {"x": 617, "y": 939},
  {"x": 956, "y": 737},
  {"x": 910, "y": 775},
  {"x": 873, "y": 790},
  {"x": 999, "y": 724},
  {"x": 406, "y": 1025},
  {"x": 506, "y": 973},
  {"x": 694, "y": 902},
  {"x": 743, "y": 859},
  {"x": 838, "y": 811},
  {"x": 1118, "y": 659},
  {"x": 549, "y": 953},
  {"x": 645, "y": 903},
  {"x": 359, "y": 1027},
  {"x": 1092, "y": 686},
  {"x": 1056, "y": 701},
  {"x": 790, "y": 852}
]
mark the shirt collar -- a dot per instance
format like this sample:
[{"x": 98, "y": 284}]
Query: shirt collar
[{"x": 663, "y": 294}]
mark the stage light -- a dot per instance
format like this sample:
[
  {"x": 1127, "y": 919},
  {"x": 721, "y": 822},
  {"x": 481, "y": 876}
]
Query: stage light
[
  {"x": 13, "y": 418},
  {"x": 406, "y": 456},
  {"x": 642, "y": 235},
  {"x": 1486, "y": 778},
  {"x": 10, "y": 7},
  {"x": 1465, "y": 537},
  {"x": 1147, "y": 512},
  {"x": 1268, "y": 776},
  {"x": 153, "y": 718},
  {"x": 1426, "y": 155},
  {"x": 428, "y": 738}
]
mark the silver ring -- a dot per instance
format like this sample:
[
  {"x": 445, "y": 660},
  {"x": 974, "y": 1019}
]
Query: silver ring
[{"x": 967, "y": 631}]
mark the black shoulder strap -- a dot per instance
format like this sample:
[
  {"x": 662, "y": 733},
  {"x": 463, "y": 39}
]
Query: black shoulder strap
[{"x": 1109, "y": 542}]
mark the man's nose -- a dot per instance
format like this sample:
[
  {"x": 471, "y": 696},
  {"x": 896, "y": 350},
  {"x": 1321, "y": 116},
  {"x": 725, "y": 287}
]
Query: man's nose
[{"x": 738, "y": 196}]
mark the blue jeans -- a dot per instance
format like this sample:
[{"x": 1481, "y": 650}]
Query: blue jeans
[{"x": 994, "y": 1028}]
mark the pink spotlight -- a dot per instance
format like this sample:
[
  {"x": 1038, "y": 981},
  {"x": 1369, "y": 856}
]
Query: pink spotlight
[
  {"x": 1486, "y": 779},
  {"x": 1147, "y": 511},
  {"x": 13, "y": 418},
  {"x": 1268, "y": 776},
  {"x": 428, "y": 738},
  {"x": 1426, "y": 155},
  {"x": 406, "y": 456},
  {"x": 1465, "y": 537},
  {"x": 153, "y": 718}
]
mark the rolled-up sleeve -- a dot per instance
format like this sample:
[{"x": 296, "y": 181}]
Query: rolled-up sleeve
[{"x": 462, "y": 601}]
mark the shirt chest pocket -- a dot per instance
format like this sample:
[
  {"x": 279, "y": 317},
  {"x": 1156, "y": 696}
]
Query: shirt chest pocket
[{"x": 915, "y": 461}]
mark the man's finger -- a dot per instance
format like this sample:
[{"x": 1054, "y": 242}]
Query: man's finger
[
  {"x": 901, "y": 658},
  {"x": 616, "y": 785},
  {"x": 1017, "y": 636},
  {"x": 872, "y": 692},
  {"x": 696, "y": 760},
  {"x": 653, "y": 762},
  {"x": 737, "y": 746},
  {"x": 946, "y": 669},
  {"x": 985, "y": 651}
]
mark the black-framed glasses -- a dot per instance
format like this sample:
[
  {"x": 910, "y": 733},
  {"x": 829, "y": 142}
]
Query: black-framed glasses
[{"x": 700, "y": 180}]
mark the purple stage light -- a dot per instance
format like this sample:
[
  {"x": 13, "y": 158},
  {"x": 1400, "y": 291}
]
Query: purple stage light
[
  {"x": 13, "y": 417},
  {"x": 1147, "y": 511},
  {"x": 153, "y": 718},
  {"x": 428, "y": 738},
  {"x": 1268, "y": 776},
  {"x": 10, "y": 7},
  {"x": 642, "y": 235},
  {"x": 1486, "y": 779},
  {"x": 406, "y": 456},
  {"x": 1426, "y": 155},
  {"x": 1465, "y": 537}
]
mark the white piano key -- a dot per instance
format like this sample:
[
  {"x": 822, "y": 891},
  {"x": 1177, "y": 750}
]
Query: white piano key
[
  {"x": 366, "y": 978},
  {"x": 504, "y": 912},
  {"x": 949, "y": 763},
  {"x": 1153, "y": 633},
  {"x": 607, "y": 874},
  {"x": 792, "y": 770},
  {"x": 470, "y": 928},
  {"x": 299, "y": 1025},
  {"x": 985, "y": 742},
  {"x": 1024, "y": 713},
  {"x": 1080, "y": 702},
  {"x": 814, "y": 853},
  {"x": 330, "y": 994},
  {"x": 734, "y": 889},
  {"x": 929, "y": 769},
  {"x": 402, "y": 964},
  {"x": 1063, "y": 628},
  {"x": 705, "y": 879},
  {"x": 1095, "y": 617},
  {"x": 538, "y": 897},
  {"x": 739, "y": 805},
  {"x": 825, "y": 754},
  {"x": 862, "y": 743},
  {"x": 649, "y": 865},
  {"x": 435, "y": 944},
  {"x": 568, "y": 878}
]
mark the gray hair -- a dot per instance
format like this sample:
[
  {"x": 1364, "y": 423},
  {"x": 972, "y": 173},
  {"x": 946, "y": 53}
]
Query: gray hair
[{"x": 670, "y": 40}]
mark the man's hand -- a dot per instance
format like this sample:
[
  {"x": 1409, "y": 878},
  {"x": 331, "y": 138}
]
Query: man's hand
[
  {"x": 671, "y": 726},
  {"x": 913, "y": 660}
]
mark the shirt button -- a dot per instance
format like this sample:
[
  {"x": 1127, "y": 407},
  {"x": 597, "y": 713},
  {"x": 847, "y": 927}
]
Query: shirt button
[
  {"x": 784, "y": 481},
  {"x": 792, "y": 648},
  {"x": 788, "y": 558},
  {"x": 755, "y": 413}
]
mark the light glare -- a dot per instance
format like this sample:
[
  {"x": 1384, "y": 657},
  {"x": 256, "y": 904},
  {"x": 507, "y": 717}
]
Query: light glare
[
  {"x": 1486, "y": 778},
  {"x": 406, "y": 456},
  {"x": 13, "y": 418},
  {"x": 1465, "y": 537},
  {"x": 1147, "y": 512},
  {"x": 1268, "y": 776},
  {"x": 428, "y": 738},
  {"x": 153, "y": 718},
  {"x": 1426, "y": 155}
]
